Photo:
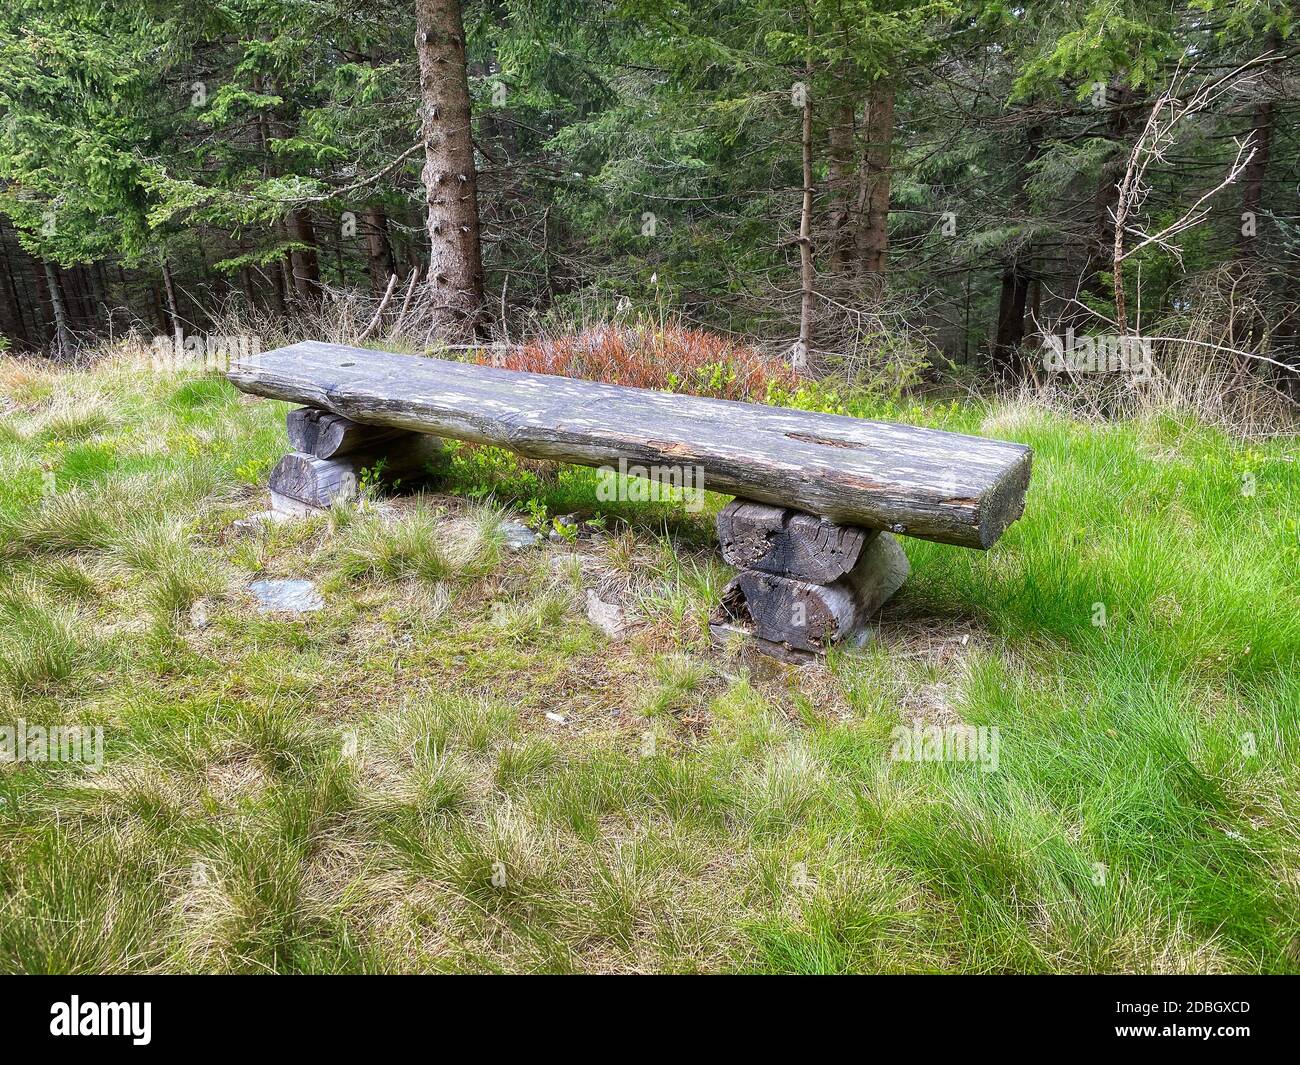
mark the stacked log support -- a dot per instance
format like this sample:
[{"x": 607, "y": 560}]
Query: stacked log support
[
  {"x": 805, "y": 583},
  {"x": 333, "y": 454},
  {"x": 327, "y": 435}
]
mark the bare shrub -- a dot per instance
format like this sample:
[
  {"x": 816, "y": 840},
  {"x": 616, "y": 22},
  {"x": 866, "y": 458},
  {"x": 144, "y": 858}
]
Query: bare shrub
[{"x": 1215, "y": 356}]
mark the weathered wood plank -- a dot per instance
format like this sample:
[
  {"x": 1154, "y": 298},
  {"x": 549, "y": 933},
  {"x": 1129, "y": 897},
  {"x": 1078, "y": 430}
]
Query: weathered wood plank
[
  {"x": 327, "y": 435},
  {"x": 770, "y": 539},
  {"x": 923, "y": 482}
]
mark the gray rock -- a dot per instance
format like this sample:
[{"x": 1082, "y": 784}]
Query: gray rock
[
  {"x": 255, "y": 523},
  {"x": 518, "y": 535},
  {"x": 291, "y": 596},
  {"x": 288, "y": 507},
  {"x": 199, "y": 615},
  {"x": 608, "y": 617}
]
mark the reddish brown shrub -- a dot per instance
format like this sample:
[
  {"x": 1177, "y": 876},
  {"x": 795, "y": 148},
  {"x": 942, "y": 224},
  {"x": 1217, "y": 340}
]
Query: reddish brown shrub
[{"x": 673, "y": 359}]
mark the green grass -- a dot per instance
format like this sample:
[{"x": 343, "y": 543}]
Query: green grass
[{"x": 449, "y": 769}]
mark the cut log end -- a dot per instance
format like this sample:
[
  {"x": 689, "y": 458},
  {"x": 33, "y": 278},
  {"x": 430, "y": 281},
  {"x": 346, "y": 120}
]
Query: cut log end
[
  {"x": 770, "y": 539},
  {"x": 1006, "y": 503},
  {"x": 322, "y": 482},
  {"x": 328, "y": 435}
]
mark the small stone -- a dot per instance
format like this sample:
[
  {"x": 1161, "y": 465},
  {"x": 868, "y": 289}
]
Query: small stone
[
  {"x": 518, "y": 536},
  {"x": 559, "y": 719},
  {"x": 291, "y": 596},
  {"x": 288, "y": 507},
  {"x": 254, "y": 523},
  {"x": 608, "y": 617},
  {"x": 199, "y": 615}
]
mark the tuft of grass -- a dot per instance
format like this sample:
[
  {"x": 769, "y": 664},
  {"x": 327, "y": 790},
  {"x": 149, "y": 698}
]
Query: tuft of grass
[
  {"x": 174, "y": 571},
  {"x": 415, "y": 544},
  {"x": 521, "y": 764},
  {"x": 676, "y": 681},
  {"x": 82, "y": 899},
  {"x": 41, "y": 643}
]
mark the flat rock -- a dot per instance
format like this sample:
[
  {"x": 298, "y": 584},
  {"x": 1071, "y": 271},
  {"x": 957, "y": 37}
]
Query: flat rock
[
  {"x": 518, "y": 535},
  {"x": 286, "y": 596},
  {"x": 610, "y": 618},
  {"x": 288, "y": 507},
  {"x": 254, "y": 523}
]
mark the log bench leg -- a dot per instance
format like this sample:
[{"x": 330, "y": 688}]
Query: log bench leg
[
  {"x": 804, "y": 583},
  {"x": 332, "y": 454}
]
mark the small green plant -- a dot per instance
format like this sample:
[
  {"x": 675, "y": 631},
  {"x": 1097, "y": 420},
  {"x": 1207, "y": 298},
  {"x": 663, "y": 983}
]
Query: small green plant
[
  {"x": 372, "y": 479},
  {"x": 537, "y": 514}
]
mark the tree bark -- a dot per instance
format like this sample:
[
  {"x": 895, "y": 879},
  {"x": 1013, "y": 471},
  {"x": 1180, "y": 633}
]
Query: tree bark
[
  {"x": 15, "y": 325},
  {"x": 1252, "y": 179},
  {"x": 1009, "y": 336},
  {"x": 304, "y": 260},
  {"x": 839, "y": 176},
  {"x": 377, "y": 253},
  {"x": 1101, "y": 244},
  {"x": 173, "y": 316},
  {"x": 62, "y": 335},
  {"x": 455, "y": 277},
  {"x": 807, "y": 295},
  {"x": 874, "y": 182},
  {"x": 1011, "y": 320}
]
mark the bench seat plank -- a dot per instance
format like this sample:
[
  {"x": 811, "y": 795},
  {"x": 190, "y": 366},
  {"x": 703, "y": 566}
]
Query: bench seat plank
[{"x": 936, "y": 485}]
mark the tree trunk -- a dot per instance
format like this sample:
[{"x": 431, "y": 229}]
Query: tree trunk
[
  {"x": 173, "y": 316},
  {"x": 304, "y": 261},
  {"x": 1252, "y": 178},
  {"x": 455, "y": 275},
  {"x": 1101, "y": 244},
  {"x": 249, "y": 287},
  {"x": 1011, "y": 321},
  {"x": 803, "y": 356},
  {"x": 15, "y": 326},
  {"x": 377, "y": 253},
  {"x": 62, "y": 335},
  {"x": 98, "y": 301},
  {"x": 839, "y": 176},
  {"x": 1009, "y": 336},
  {"x": 874, "y": 182}
]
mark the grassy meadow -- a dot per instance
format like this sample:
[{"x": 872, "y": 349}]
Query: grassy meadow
[{"x": 450, "y": 769}]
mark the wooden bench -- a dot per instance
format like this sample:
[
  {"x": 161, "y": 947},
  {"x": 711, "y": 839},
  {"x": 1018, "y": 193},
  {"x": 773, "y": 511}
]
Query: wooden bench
[{"x": 817, "y": 495}]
